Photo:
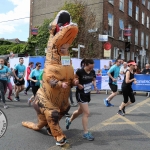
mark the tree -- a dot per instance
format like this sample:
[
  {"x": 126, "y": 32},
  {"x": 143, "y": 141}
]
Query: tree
[
  {"x": 6, "y": 47},
  {"x": 39, "y": 41},
  {"x": 85, "y": 18}
]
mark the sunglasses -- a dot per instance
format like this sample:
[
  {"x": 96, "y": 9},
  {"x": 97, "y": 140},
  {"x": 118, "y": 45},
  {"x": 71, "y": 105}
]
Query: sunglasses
[{"x": 39, "y": 66}]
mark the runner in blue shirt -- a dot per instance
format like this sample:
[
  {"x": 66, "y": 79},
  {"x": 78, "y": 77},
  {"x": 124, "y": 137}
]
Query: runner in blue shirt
[
  {"x": 113, "y": 74},
  {"x": 19, "y": 74},
  {"x": 35, "y": 78},
  {"x": 3, "y": 80}
]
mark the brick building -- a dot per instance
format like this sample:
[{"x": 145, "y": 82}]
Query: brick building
[
  {"x": 112, "y": 17},
  {"x": 121, "y": 14}
]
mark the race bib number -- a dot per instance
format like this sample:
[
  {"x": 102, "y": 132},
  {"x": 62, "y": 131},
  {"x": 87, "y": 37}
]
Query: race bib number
[
  {"x": 87, "y": 87},
  {"x": 3, "y": 75},
  {"x": 65, "y": 60},
  {"x": 20, "y": 74}
]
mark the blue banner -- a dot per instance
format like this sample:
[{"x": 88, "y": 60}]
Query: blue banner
[
  {"x": 98, "y": 82},
  {"x": 96, "y": 65},
  {"x": 38, "y": 59},
  {"x": 143, "y": 83}
]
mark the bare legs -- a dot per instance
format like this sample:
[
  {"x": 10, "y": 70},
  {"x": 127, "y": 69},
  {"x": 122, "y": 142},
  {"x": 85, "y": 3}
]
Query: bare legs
[
  {"x": 83, "y": 108},
  {"x": 112, "y": 96}
]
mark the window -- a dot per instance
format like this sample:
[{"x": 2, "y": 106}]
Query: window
[
  {"x": 147, "y": 39},
  {"x": 110, "y": 24},
  {"x": 136, "y": 36},
  {"x": 143, "y": 17},
  {"x": 130, "y": 8},
  {"x": 148, "y": 6},
  {"x": 143, "y": 2},
  {"x": 142, "y": 39},
  {"x": 121, "y": 28},
  {"x": 137, "y": 13},
  {"x": 128, "y": 56},
  {"x": 147, "y": 24},
  {"x": 129, "y": 37},
  {"x": 121, "y": 5},
  {"x": 111, "y": 1},
  {"x": 132, "y": 56}
]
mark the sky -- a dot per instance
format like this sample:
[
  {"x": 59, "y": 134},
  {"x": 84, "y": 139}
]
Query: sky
[{"x": 10, "y": 10}]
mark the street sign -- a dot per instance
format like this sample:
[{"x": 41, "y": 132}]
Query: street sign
[
  {"x": 82, "y": 46},
  {"x": 75, "y": 49}
]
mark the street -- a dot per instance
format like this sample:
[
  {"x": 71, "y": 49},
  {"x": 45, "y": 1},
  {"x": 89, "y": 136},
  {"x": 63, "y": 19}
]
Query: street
[{"x": 111, "y": 131}]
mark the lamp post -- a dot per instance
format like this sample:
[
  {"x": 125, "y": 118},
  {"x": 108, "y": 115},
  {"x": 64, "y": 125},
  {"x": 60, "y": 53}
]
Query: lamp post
[
  {"x": 78, "y": 49},
  {"x": 36, "y": 51}
]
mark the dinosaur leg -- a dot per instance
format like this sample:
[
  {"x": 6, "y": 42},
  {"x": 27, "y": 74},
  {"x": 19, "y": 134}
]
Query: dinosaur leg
[
  {"x": 52, "y": 117},
  {"x": 41, "y": 123}
]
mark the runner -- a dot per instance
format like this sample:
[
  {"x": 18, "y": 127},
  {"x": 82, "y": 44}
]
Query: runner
[
  {"x": 4, "y": 73},
  {"x": 34, "y": 78},
  {"x": 113, "y": 74},
  {"x": 19, "y": 74},
  {"x": 127, "y": 88},
  {"x": 86, "y": 77},
  {"x": 9, "y": 85},
  {"x": 29, "y": 69},
  {"x": 31, "y": 99}
]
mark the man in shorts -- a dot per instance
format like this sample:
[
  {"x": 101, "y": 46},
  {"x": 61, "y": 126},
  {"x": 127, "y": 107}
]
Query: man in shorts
[
  {"x": 113, "y": 74},
  {"x": 19, "y": 74}
]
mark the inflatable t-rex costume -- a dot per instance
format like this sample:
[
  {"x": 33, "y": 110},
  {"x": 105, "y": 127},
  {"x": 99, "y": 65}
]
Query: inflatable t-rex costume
[{"x": 51, "y": 101}]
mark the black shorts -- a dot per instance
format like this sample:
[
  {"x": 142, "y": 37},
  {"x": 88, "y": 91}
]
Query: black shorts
[
  {"x": 113, "y": 87},
  {"x": 19, "y": 83},
  {"x": 82, "y": 97}
]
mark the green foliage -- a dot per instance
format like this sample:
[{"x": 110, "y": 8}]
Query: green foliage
[
  {"x": 76, "y": 10},
  {"x": 82, "y": 15},
  {"x": 6, "y": 47},
  {"x": 39, "y": 41},
  {"x": 2, "y": 42}
]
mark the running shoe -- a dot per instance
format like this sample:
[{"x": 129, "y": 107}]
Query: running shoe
[
  {"x": 9, "y": 98},
  {"x": 109, "y": 104},
  {"x": 5, "y": 106},
  {"x": 88, "y": 136},
  {"x": 25, "y": 92},
  {"x": 123, "y": 109},
  {"x": 106, "y": 103},
  {"x": 68, "y": 123},
  {"x": 29, "y": 102},
  {"x": 16, "y": 99},
  {"x": 61, "y": 142},
  {"x": 67, "y": 115},
  {"x": 49, "y": 131},
  {"x": 120, "y": 112}
]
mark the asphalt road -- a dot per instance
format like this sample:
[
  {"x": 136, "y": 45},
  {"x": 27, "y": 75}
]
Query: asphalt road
[{"x": 111, "y": 131}]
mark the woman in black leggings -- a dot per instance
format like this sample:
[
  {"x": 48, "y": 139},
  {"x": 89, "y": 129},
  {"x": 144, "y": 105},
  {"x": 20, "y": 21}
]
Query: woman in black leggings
[{"x": 127, "y": 88}]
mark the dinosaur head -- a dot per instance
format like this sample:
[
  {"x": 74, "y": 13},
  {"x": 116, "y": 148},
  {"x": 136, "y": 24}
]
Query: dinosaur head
[{"x": 64, "y": 32}]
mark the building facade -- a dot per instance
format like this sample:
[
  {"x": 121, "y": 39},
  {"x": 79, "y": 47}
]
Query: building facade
[
  {"x": 125, "y": 14},
  {"x": 112, "y": 17}
]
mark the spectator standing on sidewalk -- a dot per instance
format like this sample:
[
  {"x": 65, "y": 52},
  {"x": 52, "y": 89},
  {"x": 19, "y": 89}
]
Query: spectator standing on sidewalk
[{"x": 146, "y": 70}]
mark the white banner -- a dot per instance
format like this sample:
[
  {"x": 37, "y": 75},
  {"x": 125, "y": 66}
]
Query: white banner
[
  {"x": 76, "y": 63},
  {"x": 105, "y": 81},
  {"x": 106, "y": 62}
]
